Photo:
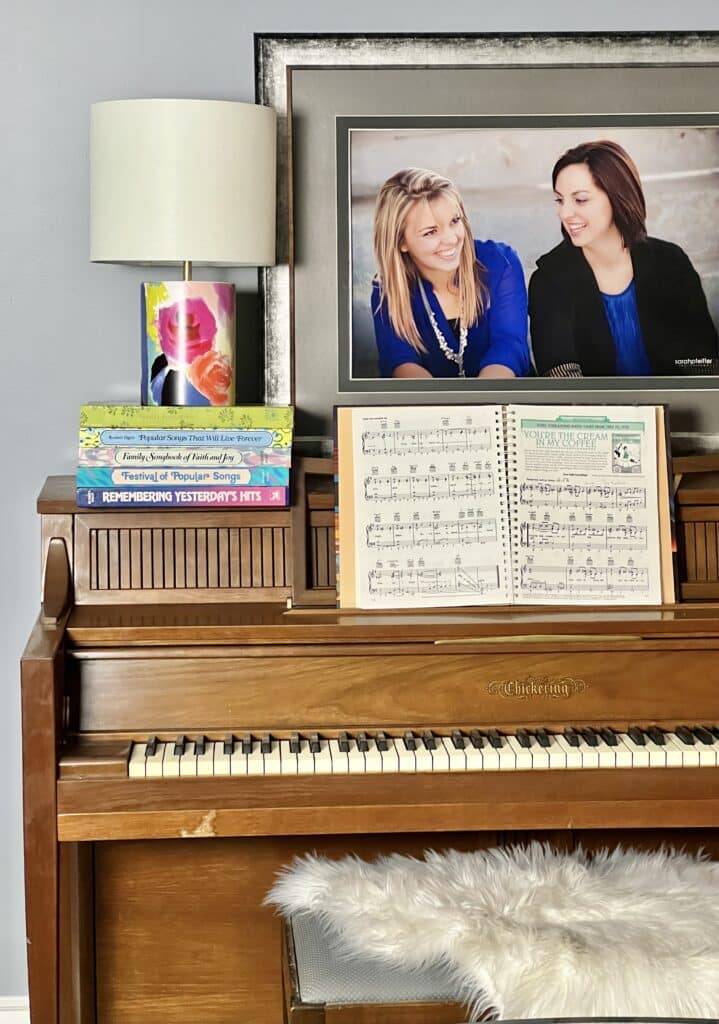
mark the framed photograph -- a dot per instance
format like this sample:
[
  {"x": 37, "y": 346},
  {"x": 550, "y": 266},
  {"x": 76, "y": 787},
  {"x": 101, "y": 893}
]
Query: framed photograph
[{"x": 355, "y": 311}]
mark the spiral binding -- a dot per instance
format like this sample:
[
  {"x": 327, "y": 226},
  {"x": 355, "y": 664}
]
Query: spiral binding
[{"x": 509, "y": 426}]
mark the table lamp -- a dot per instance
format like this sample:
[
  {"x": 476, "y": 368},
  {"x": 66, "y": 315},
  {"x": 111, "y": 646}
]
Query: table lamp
[{"x": 183, "y": 182}]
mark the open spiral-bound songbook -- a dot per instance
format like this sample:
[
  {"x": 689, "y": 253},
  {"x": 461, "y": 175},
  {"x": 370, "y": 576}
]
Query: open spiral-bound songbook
[{"x": 450, "y": 505}]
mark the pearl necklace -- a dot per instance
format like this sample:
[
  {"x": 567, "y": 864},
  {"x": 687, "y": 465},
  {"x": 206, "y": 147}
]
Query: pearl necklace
[{"x": 446, "y": 350}]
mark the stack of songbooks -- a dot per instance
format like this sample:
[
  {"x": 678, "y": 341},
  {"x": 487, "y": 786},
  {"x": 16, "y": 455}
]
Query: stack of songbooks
[{"x": 181, "y": 456}]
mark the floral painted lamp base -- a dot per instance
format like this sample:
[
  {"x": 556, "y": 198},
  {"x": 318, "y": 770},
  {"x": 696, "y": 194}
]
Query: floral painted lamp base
[{"x": 188, "y": 343}]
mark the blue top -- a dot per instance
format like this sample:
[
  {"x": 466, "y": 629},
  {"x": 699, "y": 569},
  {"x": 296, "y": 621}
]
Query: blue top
[
  {"x": 499, "y": 337},
  {"x": 623, "y": 317}
]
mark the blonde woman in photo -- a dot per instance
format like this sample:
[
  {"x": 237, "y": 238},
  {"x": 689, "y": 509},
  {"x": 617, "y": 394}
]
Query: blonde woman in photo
[{"x": 443, "y": 303}]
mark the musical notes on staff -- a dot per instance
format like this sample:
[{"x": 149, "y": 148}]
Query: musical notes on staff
[
  {"x": 573, "y": 535},
  {"x": 565, "y": 495},
  {"x": 469, "y": 580},
  {"x": 412, "y": 487},
  {"x": 424, "y": 442},
  {"x": 431, "y": 533},
  {"x": 583, "y": 579}
]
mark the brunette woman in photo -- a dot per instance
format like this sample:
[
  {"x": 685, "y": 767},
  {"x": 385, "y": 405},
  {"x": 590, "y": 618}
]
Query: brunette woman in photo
[
  {"x": 443, "y": 304},
  {"x": 608, "y": 300}
]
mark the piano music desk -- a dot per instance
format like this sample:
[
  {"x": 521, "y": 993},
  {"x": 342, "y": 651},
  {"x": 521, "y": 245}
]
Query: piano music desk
[{"x": 147, "y": 862}]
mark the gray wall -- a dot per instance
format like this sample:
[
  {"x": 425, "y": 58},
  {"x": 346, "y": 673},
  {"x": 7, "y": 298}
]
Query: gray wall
[{"x": 70, "y": 329}]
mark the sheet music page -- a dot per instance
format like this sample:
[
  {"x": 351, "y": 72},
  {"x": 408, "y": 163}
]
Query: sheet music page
[
  {"x": 430, "y": 507},
  {"x": 583, "y": 486}
]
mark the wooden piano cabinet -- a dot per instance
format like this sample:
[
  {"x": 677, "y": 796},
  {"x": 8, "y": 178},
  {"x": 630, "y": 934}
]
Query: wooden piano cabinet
[{"x": 143, "y": 896}]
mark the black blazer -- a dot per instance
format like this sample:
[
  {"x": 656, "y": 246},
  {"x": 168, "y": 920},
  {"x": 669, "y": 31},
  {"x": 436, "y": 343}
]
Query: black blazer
[{"x": 569, "y": 325}]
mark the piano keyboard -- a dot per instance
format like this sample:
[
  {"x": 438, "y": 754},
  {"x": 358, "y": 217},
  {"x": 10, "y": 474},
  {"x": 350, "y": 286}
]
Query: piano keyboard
[{"x": 460, "y": 751}]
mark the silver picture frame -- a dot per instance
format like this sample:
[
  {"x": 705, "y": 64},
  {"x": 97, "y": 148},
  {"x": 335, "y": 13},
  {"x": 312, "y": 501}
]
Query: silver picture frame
[{"x": 282, "y": 62}]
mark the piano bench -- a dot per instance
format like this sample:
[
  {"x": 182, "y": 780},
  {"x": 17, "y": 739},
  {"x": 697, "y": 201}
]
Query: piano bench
[{"x": 322, "y": 988}]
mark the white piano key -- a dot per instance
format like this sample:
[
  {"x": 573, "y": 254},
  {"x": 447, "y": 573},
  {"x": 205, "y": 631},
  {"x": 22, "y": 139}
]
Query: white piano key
[
  {"x": 238, "y": 760},
  {"x": 557, "y": 754},
  {"x": 640, "y": 754},
  {"x": 506, "y": 756},
  {"x": 623, "y": 753},
  {"x": 323, "y": 759},
  {"x": 220, "y": 760},
  {"x": 573, "y": 755},
  {"x": 340, "y": 760},
  {"x": 440, "y": 757},
  {"x": 423, "y": 757},
  {"x": 456, "y": 757},
  {"x": 206, "y": 761},
  {"x": 657, "y": 754},
  {"x": 273, "y": 760},
  {"x": 492, "y": 760},
  {"x": 606, "y": 754},
  {"x": 305, "y": 760},
  {"x": 255, "y": 760},
  {"x": 355, "y": 758},
  {"x": 539, "y": 755},
  {"x": 390, "y": 757},
  {"x": 372, "y": 758},
  {"x": 170, "y": 762},
  {"x": 675, "y": 756},
  {"x": 522, "y": 755},
  {"x": 136, "y": 767},
  {"x": 288, "y": 760},
  {"x": 476, "y": 760},
  {"x": 188, "y": 761},
  {"x": 153, "y": 765},
  {"x": 590, "y": 755},
  {"x": 690, "y": 752},
  {"x": 407, "y": 762}
]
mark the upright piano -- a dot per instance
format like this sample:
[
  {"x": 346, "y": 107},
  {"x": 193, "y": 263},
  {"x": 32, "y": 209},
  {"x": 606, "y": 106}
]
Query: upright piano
[{"x": 196, "y": 713}]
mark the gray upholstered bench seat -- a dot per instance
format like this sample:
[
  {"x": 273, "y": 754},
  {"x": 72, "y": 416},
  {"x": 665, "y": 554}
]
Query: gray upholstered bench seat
[{"x": 320, "y": 978}]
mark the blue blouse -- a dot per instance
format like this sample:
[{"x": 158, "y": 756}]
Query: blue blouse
[
  {"x": 499, "y": 337},
  {"x": 623, "y": 317}
]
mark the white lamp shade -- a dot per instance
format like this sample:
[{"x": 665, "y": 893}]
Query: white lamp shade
[{"x": 182, "y": 180}]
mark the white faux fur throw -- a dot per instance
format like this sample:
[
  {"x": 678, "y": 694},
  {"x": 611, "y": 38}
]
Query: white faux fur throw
[{"x": 528, "y": 931}]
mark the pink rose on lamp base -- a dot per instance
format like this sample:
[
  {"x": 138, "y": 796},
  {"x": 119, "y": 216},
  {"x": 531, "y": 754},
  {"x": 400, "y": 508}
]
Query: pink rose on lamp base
[{"x": 188, "y": 343}]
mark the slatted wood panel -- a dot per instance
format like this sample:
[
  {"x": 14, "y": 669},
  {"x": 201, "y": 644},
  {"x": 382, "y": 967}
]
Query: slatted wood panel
[
  {"x": 322, "y": 556},
  {"x": 190, "y": 558}
]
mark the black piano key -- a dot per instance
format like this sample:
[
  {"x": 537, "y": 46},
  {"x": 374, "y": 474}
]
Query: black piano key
[
  {"x": 429, "y": 741},
  {"x": 315, "y": 745},
  {"x": 381, "y": 742},
  {"x": 637, "y": 736},
  {"x": 458, "y": 740},
  {"x": 544, "y": 738},
  {"x": 362, "y": 742},
  {"x": 495, "y": 738},
  {"x": 714, "y": 729},
  {"x": 246, "y": 744},
  {"x": 590, "y": 737},
  {"x": 609, "y": 736},
  {"x": 179, "y": 748},
  {"x": 524, "y": 738},
  {"x": 410, "y": 741},
  {"x": 343, "y": 742},
  {"x": 572, "y": 736},
  {"x": 703, "y": 735},
  {"x": 228, "y": 744},
  {"x": 295, "y": 743},
  {"x": 151, "y": 746},
  {"x": 266, "y": 744},
  {"x": 686, "y": 735},
  {"x": 656, "y": 735},
  {"x": 200, "y": 745},
  {"x": 476, "y": 739}
]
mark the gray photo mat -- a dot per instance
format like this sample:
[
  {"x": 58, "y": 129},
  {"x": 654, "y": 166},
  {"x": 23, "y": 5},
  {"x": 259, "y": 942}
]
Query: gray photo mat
[{"x": 626, "y": 77}]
